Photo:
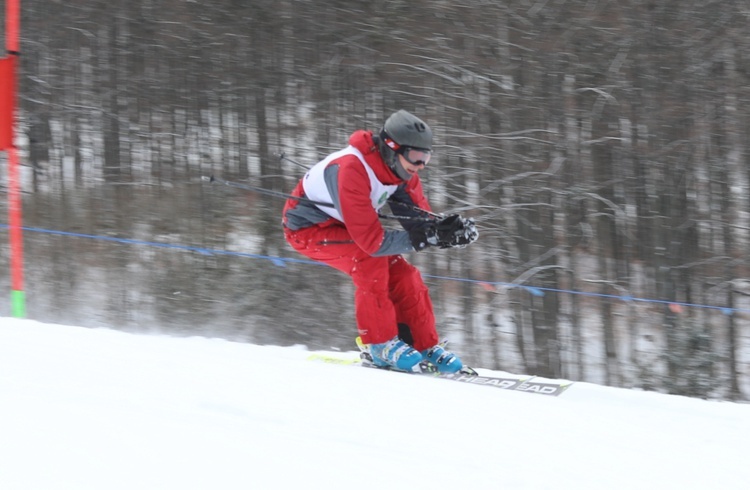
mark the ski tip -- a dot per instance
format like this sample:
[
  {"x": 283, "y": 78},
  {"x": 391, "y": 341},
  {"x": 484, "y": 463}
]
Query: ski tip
[{"x": 332, "y": 359}]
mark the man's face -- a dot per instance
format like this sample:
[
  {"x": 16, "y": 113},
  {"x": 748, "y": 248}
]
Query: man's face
[
  {"x": 410, "y": 168},
  {"x": 413, "y": 160}
]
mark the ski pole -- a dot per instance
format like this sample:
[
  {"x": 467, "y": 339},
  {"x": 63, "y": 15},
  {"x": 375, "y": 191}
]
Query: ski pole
[
  {"x": 268, "y": 192},
  {"x": 260, "y": 190},
  {"x": 282, "y": 156}
]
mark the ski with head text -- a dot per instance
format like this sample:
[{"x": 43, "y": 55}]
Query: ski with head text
[{"x": 528, "y": 384}]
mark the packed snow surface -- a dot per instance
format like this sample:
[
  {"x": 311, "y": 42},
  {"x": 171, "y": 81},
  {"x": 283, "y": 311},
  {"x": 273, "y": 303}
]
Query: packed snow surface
[{"x": 103, "y": 410}]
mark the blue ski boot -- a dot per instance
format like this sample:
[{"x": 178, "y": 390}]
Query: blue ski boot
[
  {"x": 395, "y": 354},
  {"x": 445, "y": 361}
]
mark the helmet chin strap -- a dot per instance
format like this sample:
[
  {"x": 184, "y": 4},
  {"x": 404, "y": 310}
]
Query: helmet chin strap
[{"x": 391, "y": 159}]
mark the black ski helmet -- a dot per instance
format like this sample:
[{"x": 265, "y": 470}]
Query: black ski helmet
[{"x": 403, "y": 130}]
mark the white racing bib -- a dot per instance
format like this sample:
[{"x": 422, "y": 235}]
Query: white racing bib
[{"x": 316, "y": 189}]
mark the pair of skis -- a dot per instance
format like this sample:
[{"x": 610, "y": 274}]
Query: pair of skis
[{"x": 528, "y": 384}]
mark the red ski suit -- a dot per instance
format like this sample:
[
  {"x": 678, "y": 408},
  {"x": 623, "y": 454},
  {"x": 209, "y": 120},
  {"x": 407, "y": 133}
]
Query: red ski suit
[{"x": 389, "y": 290}]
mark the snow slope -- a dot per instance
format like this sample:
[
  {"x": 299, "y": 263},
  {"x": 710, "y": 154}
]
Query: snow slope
[{"x": 100, "y": 409}]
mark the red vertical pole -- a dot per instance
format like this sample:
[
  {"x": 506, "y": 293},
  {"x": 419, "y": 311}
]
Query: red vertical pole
[
  {"x": 12, "y": 39},
  {"x": 12, "y": 26}
]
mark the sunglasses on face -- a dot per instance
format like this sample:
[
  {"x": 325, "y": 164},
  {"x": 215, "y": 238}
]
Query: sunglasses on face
[{"x": 415, "y": 156}]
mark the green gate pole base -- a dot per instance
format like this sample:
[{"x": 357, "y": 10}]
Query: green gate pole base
[{"x": 18, "y": 304}]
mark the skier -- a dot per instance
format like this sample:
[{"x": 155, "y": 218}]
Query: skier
[{"x": 347, "y": 235}]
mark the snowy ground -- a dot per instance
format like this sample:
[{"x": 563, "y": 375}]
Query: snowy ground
[{"x": 99, "y": 409}]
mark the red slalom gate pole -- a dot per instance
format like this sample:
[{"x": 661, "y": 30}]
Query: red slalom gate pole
[
  {"x": 17, "y": 293},
  {"x": 8, "y": 67}
]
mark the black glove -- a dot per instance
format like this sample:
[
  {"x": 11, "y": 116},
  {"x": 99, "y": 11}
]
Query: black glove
[
  {"x": 455, "y": 231},
  {"x": 423, "y": 235},
  {"x": 452, "y": 231}
]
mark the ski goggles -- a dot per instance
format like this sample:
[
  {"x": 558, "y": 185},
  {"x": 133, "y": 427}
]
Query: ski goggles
[{"x": 415, "y": 156}]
